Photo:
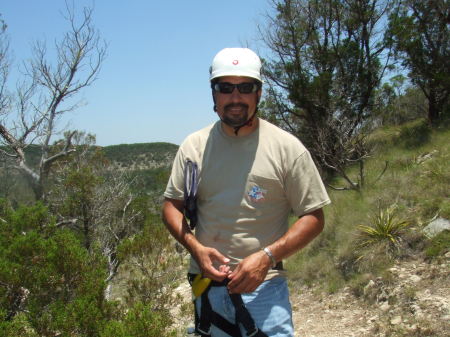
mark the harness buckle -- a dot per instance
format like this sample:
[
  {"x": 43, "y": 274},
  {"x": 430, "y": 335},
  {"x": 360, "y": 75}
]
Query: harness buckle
[
  {"x": 253, "y": 333},
  {"x": 208, "y": 333}
]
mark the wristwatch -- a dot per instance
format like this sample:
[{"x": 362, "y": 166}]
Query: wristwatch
[{"x": 270, "y": 255}]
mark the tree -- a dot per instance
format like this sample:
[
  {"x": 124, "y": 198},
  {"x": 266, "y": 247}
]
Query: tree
[
  {"x": 419, "y": 33},
  {"x": 324, "y": 67},
  {"x": 398, "y": 103},
  {"x": 49, "y": 284},
  {"x": 47, "y": 91},
  {"x": 93, "y": 199}
]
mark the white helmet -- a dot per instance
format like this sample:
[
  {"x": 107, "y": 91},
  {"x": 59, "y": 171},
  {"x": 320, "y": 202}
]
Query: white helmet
[{"x": 236, "y": 62}]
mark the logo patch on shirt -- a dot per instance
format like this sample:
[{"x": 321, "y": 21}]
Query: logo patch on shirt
[{"x": 257, "y": 193}]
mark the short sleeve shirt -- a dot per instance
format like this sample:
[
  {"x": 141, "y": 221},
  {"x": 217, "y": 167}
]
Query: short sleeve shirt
[{"x": 247, "y": 187}]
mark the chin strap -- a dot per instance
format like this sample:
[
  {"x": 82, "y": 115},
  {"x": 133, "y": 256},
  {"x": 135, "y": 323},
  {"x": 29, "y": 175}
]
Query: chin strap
[{"x": 249, "y": 122}]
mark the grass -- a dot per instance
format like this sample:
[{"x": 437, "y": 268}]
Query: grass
[
  {"x": 438, "y": 246},
  {"x": 417, "y": 182}
]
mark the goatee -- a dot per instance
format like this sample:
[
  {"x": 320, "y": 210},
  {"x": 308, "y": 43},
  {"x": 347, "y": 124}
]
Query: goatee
[{"x": 235, "y": 119}]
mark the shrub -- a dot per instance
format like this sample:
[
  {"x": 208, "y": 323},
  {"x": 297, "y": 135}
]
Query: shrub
[
  {"x": 438, "y": 245},
  {"x": 141, "y": 320},
  {"x": 415, "y": 133},
  {"x": 384, "y": 227},
  {"x": 49, "y": 284}
]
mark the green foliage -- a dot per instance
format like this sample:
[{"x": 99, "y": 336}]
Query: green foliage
[
  {"x": 419, "y": 33},
  {"x": 50, "y": 284},
  {"x": 151, "y": 264},
  {"x": 147, "y": 166},
  {"x": 438, "y": 245},
  {"x": 48, "y": 281},
  {"x": 323, "y": 76},
  {"x": 384, "y": 226},
  {"x": 415, "y": 133},
  {"x": 141, "y": 320},
  {"x": 416, "y": 180},
  {"x": 398, "y": 104},
  {"x": 149, "y": 180},
  {"x": 140, "y": 153}
]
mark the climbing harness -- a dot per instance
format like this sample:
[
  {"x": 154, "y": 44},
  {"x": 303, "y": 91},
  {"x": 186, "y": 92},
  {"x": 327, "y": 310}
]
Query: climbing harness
[{"x": 207, "y": 316}]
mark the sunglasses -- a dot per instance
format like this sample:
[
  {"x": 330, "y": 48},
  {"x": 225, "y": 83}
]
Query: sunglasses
[{"x": 228, "y": 88}]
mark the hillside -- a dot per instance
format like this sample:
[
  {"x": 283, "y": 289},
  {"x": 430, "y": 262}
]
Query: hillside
[
  {"x": 141, "y": 156},
  {"x": 147, "y": 165}
]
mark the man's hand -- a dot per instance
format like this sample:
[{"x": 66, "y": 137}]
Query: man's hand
[
  {"x": 205, "y": 257},
  {"x": 249, "y": 274}
]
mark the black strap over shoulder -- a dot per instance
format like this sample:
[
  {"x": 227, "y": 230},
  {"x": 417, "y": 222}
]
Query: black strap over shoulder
[{"x": 190, "y": 192}]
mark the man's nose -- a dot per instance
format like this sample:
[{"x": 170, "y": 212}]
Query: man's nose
[{"x": 235, "y": 95}]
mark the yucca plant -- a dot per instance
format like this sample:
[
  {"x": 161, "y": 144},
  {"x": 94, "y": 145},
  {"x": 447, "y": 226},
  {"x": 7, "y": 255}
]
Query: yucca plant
[{"x": 384, "y": 227}]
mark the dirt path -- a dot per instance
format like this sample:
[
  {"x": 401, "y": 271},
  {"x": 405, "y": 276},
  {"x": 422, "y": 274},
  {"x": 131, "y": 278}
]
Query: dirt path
[{"x": 330, "y": 316}]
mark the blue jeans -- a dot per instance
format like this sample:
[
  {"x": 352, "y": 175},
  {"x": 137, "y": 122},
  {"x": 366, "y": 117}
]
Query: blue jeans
[{"x": 268, "y": 305}]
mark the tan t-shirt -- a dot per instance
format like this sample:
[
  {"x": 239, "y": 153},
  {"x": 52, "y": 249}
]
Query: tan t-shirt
[{"x": 247, "y": 187}]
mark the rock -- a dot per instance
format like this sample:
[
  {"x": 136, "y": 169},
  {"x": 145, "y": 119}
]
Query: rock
[
  {"x": 368, "y": 286},
  {"x": 396, "y": 320},
  {"x": 415, "y": 279},
  {"x": 412, "y": 328},
  {"x": 437, "y": 226},
  {"x": 385, "y": 306},
  {"x": 373, "y": 319},
  {"x": 426, "y": 156}
]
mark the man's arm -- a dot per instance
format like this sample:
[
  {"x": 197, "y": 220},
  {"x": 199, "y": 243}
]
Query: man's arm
[
  {"x": 251, "y": 272},
  {"x": 177, "y": 225}
]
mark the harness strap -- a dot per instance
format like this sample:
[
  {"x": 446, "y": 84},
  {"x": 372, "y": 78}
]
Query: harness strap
[
  {"x": 243, "y": 316},
  {"x": 204, "y": 323},
  {"x": 207, "y": 316}
]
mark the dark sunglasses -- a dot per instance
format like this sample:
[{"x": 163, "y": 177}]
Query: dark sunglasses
[{"x": 243, "y": 88}]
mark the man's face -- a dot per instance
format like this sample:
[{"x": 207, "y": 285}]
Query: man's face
[{"x": 236, "y": 108}]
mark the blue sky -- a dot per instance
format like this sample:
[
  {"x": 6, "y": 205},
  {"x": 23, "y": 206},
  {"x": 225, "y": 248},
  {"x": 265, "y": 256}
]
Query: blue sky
[{"x": 153, "y": 86}]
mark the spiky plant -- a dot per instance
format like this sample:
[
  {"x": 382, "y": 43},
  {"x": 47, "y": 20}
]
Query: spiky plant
[{"x": 384, "y": 227}]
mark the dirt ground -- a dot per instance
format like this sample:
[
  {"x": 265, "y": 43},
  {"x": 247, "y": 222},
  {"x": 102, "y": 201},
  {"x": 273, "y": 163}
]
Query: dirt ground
[{"x": 415, "y": 302}]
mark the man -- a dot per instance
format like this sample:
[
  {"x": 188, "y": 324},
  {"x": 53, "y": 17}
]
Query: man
[{"x": 251, "y": 175}]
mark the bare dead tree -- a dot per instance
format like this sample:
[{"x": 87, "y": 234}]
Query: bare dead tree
[{"x": 31, "y": 114}]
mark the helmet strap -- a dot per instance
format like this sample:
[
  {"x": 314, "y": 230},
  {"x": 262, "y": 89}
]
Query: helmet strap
[{"x": 249, "y": 122}]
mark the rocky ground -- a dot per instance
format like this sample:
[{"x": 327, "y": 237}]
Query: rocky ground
[{"x": 413, "y": 299}]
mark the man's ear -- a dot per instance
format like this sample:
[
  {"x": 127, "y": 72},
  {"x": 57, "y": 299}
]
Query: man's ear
[
  {"x": 214, "y": 100},
  {"x": 259, "y": 94}
]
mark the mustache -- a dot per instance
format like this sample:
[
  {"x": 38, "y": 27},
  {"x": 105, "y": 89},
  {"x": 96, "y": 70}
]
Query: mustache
[{"x": 236, "y": 105}]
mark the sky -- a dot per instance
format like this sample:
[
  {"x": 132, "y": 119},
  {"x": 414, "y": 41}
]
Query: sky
[{"x": 153, "y": 85}]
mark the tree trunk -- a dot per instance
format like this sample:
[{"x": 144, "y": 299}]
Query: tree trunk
[{"x": 433, "y": 108}]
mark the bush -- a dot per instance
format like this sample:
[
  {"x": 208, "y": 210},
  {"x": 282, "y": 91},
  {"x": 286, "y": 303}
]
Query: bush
[
  {"x": 415, "y": 133},
  {"x": 140, "y": 321},
  {"x": 384, "y": 227},
  {"x": 49, "y": 284},
  {"x": 438, "y": 245}
]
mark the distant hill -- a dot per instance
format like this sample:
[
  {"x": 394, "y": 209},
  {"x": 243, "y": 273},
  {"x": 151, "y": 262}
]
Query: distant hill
[
  {"x": 141, "y": 156},
  {"x": 147, "y": 166},
  {"x": 137, "y": 156}
]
